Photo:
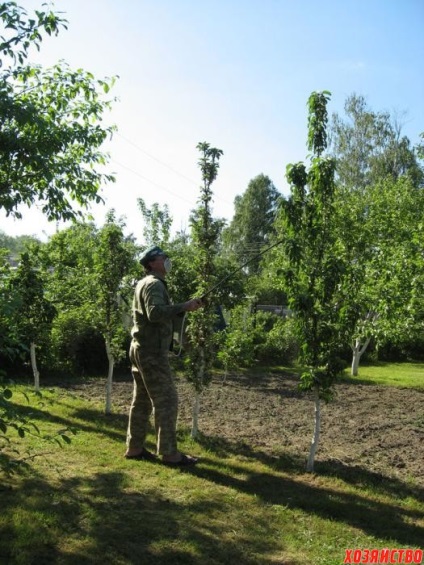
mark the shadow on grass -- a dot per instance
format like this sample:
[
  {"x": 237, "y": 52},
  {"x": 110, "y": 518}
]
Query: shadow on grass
[
  {"x": 97, "y": 520},
  {"x": 88, "y": 420},
  {"x": 390, "y": 521}
]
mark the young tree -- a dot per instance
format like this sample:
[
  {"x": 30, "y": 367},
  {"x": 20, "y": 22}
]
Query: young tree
[
  {"x": 313, "y": 264},
  {"x": 50, "y": 131},
  {"x": 204, "y": 237},
  {"x": 90, "y": 273},
  {"x": 19, "y": 325},
  {"x": 113, "y": 260},
  {"x": 183, "y": 279},
  {"x": 35, "y": 313},
  {"x": 68, "y": 262}
]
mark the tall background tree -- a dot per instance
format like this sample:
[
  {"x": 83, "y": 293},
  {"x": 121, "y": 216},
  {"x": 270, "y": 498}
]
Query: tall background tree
[
  {"x": 157, "y": 223},
  {"x": 369, "y": 146},
  {"x": 252, "y": 225}
]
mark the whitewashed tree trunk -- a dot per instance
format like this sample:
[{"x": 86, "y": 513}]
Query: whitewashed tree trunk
[
  {"x": 315, "y": 437},
  {"x": 195, "y": 420},
  {"x": 357, "y": 354},
  {"x": 109, "y": 381},
  {"x": 34, "y": 367},
  {"x": 196, "y": 404}
]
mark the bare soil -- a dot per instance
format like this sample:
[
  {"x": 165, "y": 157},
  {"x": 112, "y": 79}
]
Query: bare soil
[{"x": 376, "y": 429}]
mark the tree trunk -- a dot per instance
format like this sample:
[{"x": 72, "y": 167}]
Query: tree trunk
[
  {"x": 195, "y": 420},
  {"x": 317, "y": 427},
  {"x": 34, "y": 367},
  {"x": 196, "y": 405},
  {"x": 111, "y": 359},
  {"x": 357, "y": 354}
]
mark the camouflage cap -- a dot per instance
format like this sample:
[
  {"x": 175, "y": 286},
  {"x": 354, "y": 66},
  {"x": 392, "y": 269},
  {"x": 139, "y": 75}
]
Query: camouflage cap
[{"x": 150, "y": 254}]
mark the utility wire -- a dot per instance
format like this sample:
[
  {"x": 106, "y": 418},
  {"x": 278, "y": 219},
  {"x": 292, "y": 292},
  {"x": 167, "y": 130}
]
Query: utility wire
[
  {"x": 157, "y": 160},
  {"x": 152, "y": 182},
  {"x": 196, "y": 183}
]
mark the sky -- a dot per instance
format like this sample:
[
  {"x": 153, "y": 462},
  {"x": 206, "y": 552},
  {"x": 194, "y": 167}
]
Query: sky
[{"x": 234, "y": 73}]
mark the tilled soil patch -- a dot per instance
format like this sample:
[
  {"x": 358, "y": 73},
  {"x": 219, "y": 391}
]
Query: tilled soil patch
[{"x": 371, "y": 428}]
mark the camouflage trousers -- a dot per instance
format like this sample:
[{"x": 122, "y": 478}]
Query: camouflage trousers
[{"x": 154, "y": 392}]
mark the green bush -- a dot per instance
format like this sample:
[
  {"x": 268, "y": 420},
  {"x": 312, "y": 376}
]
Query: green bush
[
  {"x": 261, "y": 336},
  {"x": 279, "y": 342},
  {"x": 236, "y": 342},
  {"x": 76, "y": 346}
]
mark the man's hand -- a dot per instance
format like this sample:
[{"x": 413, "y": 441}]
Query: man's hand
[{"x": 193, "y": 304}]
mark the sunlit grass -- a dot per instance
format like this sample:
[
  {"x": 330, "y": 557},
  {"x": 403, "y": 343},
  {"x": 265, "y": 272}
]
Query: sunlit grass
[{"x": 410, "y": 375}]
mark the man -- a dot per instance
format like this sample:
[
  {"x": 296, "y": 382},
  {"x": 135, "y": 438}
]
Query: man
[{"x": 154, "y": 387}]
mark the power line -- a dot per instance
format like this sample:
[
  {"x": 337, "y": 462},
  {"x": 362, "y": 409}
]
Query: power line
[
  {"x": 164, "y": 165},
  {"x": 152, "y": 182},
  {"x": 158, "y": 160}
]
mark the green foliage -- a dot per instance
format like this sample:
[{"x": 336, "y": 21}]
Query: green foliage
[
  {"x": 13, "y": 419},
  {"x": 68, "y": 258},
  {"x": 314, "y": 258},
  {"x": 382, "y": 231},
  {"x": 76, "y": 347},
  {"x": 10, "y": 343},
  {"x": 369, "y": 147},
  {"x": 157, "y": 223},
  {"x": 35, "y": 313},
  {"x": 256, "y": 336},
  {"x": 16, "y": 245},
  {"x": 280, "y": 343},
  {"x": 317, "y": 121},
  {"x": 419, "y": 149},
  {"x": 113, "y": 260},
  {"x": 90, "y": 271},
  {"x": 50, "y": 135},
  {"x": 380, "y": 207},
  {"x": 205, "y": 233},
  {"x": 181, "y": 280},
  {"x": 24, "y": 32},
  {"x": 252, "y": 226},
  {"x": 237, "y": 342}
]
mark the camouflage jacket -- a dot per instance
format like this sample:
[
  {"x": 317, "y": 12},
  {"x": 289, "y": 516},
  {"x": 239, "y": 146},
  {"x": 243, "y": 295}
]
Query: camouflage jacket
[{"x": 153, "y": 315}]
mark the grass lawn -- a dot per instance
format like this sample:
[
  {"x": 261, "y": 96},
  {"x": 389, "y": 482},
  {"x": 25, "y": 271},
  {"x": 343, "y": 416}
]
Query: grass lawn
[
  {"x": 85, "y": 504},
  {"x": 392, "y": 374}
]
